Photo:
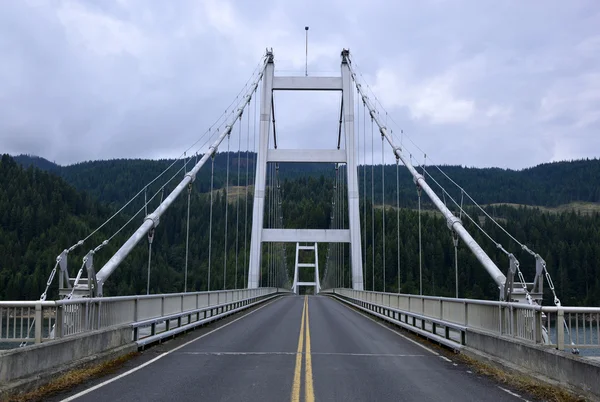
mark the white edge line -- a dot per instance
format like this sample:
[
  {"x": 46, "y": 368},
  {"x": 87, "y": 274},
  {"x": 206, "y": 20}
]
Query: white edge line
[
  {"x": 513, "y": 393},
  {"x": 95, "y": 387},
  {"x": 390, "y": 329},
  {"x": 445, "y": 358}
]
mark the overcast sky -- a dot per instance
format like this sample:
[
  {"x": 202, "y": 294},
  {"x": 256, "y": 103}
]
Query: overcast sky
[{"x": 477, "y": 83}]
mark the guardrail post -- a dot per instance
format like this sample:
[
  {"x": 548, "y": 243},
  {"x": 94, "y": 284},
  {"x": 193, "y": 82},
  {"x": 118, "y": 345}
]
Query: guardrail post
[
  {"x": 58, "y": 323},
  {"x": 537, "y": 326},
  {"x": 560, "y": 330},
  {"x": 38, "y": 322},
  {"x": 502, "y": 316},
  {"x": 99, "y": 315},
  {"x": 514, "y": 321}
]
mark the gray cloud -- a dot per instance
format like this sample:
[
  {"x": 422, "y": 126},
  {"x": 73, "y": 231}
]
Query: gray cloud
[{"x": 481, "y": 83}]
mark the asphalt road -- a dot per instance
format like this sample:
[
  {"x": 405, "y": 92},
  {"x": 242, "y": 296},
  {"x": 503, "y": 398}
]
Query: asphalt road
[{"x": 344, "y": 356}]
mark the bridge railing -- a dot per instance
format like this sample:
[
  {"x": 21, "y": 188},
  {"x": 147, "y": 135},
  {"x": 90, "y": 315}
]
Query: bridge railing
[
  {"x": 449, "y": 318},
  {"x": 24, "y": 322}
]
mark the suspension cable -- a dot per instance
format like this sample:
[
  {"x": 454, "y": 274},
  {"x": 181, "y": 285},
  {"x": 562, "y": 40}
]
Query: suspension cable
[
  {"x": 463, "y": 211},
  {"x": 150, "y": 239},
  {"x": 398, "y": 217},
  {"x": 226, "y": 215},
  {"x": 212, "y": 177},
  {"x": 217, "y": 123},
  {"x": 270, "y": 220},
  {"x": 245, "y": 266},
  {"x": 187, "y": 238},
  {"x": 336, "y": 224},
  {"x": 237, "y": 206},
  {"x": 339, "y": 208},
  {"x": 364, "y": 195},
  {"x": 372, "y": 205},
  {"x": 420, "y": 246},
  {"x": 383, "y": 207},
  {"x": 343, "y": 226},
  {"x": 455, "y": 242},
  {"x": 522, "y": 245}
]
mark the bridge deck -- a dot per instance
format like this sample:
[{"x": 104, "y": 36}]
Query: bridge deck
[{"x": 254, "y": 358}]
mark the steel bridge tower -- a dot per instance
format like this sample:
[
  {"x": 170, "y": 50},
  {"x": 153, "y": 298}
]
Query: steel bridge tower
[{"x": 348, "y": 156}]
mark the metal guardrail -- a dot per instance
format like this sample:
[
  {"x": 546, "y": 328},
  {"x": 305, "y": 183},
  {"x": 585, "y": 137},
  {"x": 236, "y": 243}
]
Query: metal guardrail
[
  {"x": 25, "y": 322},
  {"x": 447, "y": 319}
]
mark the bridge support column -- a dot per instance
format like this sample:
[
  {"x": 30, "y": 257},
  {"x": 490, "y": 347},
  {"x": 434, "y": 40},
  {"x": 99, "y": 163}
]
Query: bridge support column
[
  {"x": 352, "y": 179},
  {"x": 258, "y": 209}
]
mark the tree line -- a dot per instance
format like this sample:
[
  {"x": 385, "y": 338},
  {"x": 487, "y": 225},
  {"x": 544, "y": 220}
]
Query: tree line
[{"x": 41, "y": 214}]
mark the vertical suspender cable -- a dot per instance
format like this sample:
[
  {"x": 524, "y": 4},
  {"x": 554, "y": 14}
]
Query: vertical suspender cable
[
  {"x": 372, "y": 206},
  {"x": 383, "y": 207},
  {"x": 420, "y": 250},
  {"x": 187, "y": 234},
  {"x": 245, "y": 267},
  {"x": 455, "y": 241},
  {"x": 339, "y": 208},
  {"x": 212, "y": 179},
  {"x": 226, "y": 222},
  {"x": 336, "y": 222},
  {"x": 271, "y": 255},
  {"x": 364, "y": 196},
  {"x": 343, "y": 226},
  {"x": 187, "y": 238},
  {"x": 270, "y": 247},
  {"x": 340, "y": 214},
  {"x": 254, "y": 115},
  {"x": 398, "y": 218},
  {"x": 150, "y": 238},
  {"x": 268, "y": 214},
  {"x": 272, "y": 217},
  {"x": 334, "y": 226},
  {"x": 237, "y": 207},
  {"x": 277, "y": 245},
  {"x": 254, "y": 157}
]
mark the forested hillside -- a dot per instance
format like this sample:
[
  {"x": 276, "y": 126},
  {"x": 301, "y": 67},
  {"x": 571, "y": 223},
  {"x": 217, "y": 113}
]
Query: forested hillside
[
  {"x": 550, "y": 184},
  {"x": 569, "y": 242},
  {"x": 39, "y": 215}
]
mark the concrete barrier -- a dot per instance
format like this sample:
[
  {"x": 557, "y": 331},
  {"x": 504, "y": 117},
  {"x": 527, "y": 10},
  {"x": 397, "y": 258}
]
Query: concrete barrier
[
  {"x": 573, "y": 372},
  {"x": 18, "y": 363}
]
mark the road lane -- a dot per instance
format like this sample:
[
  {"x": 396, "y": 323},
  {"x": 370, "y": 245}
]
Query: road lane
[
  {"x": 302, "y": 349},
  {"x": 356, "y": 359},
  {"x": 250, "y": 360}
]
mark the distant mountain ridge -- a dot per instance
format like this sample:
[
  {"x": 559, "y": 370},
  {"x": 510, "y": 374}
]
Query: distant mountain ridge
[{"x": 548, "y": 184}]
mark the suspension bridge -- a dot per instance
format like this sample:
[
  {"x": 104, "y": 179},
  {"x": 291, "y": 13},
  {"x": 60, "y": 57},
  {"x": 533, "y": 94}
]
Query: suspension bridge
[{"x": 320, "y": 329}]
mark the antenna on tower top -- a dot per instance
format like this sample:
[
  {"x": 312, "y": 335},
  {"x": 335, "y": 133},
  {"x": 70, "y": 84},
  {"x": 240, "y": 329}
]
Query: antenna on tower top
[{"x": 306, "y": 66}]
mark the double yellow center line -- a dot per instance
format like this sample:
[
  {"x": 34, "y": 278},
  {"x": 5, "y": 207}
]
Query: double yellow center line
[{"x": 309, "y": 393}]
